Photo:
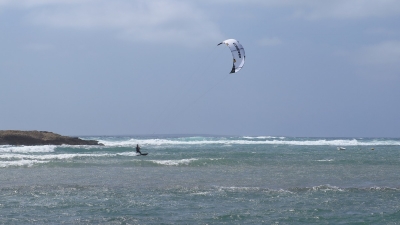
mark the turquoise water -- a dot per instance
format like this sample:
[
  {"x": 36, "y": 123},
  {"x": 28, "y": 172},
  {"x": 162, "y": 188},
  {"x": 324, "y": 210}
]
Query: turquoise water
[{"x": 203, "y": 180}]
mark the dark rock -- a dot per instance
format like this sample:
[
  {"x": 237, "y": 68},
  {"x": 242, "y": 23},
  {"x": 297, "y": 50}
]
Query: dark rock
[{"x": 16, "y": 137}]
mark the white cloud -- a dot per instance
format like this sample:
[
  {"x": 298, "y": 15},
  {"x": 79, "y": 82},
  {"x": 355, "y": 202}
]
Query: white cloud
[
  {"x": 36, "y": 3},
  {"x": 333, "y": 9},
  {"x": 267, "y": 42},
  {"x": 158, "y": 21},
  {"x": 385, "y": 54},
  {"x": 353, "y": 9}
]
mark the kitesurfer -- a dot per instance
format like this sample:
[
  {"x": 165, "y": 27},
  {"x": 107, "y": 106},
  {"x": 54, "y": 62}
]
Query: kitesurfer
[{"x": 138, "y": 149}]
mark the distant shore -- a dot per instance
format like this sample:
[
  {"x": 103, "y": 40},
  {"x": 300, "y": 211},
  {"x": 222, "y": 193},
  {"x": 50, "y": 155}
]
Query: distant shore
[{"x": 30, "y": 138}]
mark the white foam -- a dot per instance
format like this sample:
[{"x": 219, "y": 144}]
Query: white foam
[
  {"x": 246, "y": 140},
  {"x": 239, "y": 188},
  {"x": 16, "y": 159},
  {"x": 201, "y": 193},
  {"x": 20, "y": 163},
  {"x": 215, "y": 159},
  {"x": 128, "y": 154},
  {"x": 27, "y": 149},
  {"x": 263, "y": 137},
  {"x": 174, "y": 162},
  {"x": 125, "y": 143},
  {"x": 326, "y": 188},
  {"x": 262, "y": 140},
  {"x": 325, "y": 160},
  {"x": 252, "y": 189},
  {"x": 50, "y": 157}
]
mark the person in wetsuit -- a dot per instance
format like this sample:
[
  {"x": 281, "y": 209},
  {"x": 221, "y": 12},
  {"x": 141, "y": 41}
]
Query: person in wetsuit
[{"x": 138, "y": 149}]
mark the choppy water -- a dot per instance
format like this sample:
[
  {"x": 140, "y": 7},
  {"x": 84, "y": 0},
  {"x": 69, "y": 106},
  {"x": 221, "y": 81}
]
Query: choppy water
[{"x": 203, "y": 180}]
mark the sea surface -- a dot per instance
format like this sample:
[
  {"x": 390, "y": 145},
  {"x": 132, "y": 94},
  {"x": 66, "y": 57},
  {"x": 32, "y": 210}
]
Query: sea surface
[{"x": 203, "y": 180}]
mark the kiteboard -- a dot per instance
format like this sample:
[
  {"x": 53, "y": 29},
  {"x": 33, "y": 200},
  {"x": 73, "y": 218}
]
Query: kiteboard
[{"x": 144, "y": 154}]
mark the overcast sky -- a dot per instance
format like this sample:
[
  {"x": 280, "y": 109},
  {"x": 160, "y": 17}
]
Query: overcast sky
[{"x": 126, "y": 67}]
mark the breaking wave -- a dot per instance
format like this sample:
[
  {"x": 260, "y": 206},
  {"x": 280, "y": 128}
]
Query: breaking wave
[
  {"x": 174, "y": 162},
  {"x": 260, "y": 140}
]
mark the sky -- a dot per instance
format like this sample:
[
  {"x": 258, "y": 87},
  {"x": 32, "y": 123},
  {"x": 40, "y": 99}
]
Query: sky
[{"x": 137, "y": 67}]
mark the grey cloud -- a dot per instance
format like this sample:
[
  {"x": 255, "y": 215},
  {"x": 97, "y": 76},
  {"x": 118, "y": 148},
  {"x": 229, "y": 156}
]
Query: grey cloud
[{"x": 151, "y": 20}]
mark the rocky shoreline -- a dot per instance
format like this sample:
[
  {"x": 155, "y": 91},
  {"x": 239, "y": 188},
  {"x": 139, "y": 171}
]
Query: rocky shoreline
[{"x": 30, "y": 138}]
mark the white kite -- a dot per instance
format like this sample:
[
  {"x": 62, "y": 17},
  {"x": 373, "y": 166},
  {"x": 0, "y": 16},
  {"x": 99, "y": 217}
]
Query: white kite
[{"x": 237, "y": 53}]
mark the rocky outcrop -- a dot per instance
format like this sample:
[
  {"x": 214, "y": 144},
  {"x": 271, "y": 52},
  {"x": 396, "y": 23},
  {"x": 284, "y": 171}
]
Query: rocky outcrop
[{"x": 16, "y": 137}]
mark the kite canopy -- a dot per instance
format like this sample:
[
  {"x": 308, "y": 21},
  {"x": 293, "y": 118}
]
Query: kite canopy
[{"x": 237, "y": 53}]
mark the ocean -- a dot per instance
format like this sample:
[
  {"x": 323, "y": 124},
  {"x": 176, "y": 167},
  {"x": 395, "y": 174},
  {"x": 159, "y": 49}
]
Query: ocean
[{"x": 203, "y": 180}]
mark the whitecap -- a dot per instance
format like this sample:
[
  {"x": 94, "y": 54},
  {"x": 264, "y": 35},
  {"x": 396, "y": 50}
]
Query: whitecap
[
  {"x": 28, "y": 149},
  {"x": 128, "y": 154},
  {"x": 174, "y": 162},
  {"x": 239, "y": 188},
  {"x": 326, "y": 188},
  {"x": 50, "y": 157},
  {"x": 28, "y": 163},
  {"x": 263, "y": 137},
  {"x": 246, "y": 140}
]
